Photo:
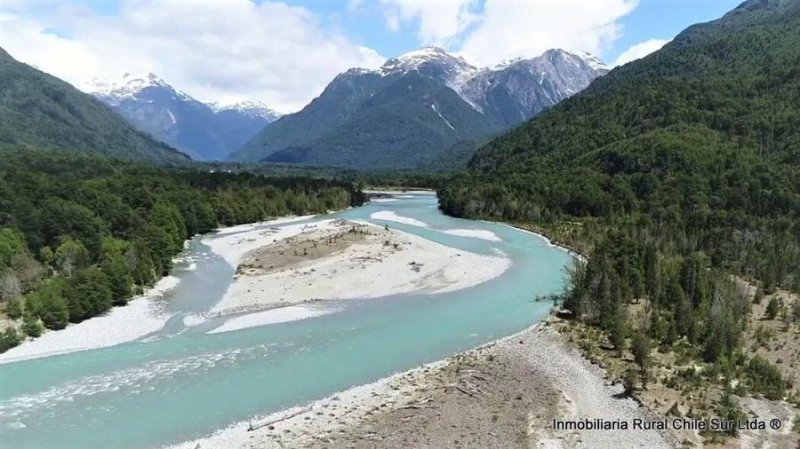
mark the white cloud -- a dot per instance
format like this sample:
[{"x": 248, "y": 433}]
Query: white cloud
[
  {"x": 29, "y": 40},
  {"x": 214, "y": 50},
  {"x": 489, "y": 31},
  {"x": 439, "y": 20},
  {"x": 640, "y": 50},
  {"x": 227, "y": 50},
  {"x": 513, "y": 28}
]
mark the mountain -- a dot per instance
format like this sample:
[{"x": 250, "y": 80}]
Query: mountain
[
  {"x": 419, "y": 109},
  {"x": 203, "y": 131},
  {"x": 694, "y": 147},
  {"x": 249, "y": 108},
  {"x": 677, "y": 176},
  {"x": 516, "y": 91},
  {"x": 734, "y": 81},
  {"x": 41, "y": 112}
]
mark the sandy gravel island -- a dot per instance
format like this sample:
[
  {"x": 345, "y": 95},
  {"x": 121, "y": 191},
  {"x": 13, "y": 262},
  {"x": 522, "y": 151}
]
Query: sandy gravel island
[
  {"x": 400, "y": 192},
  {"x": 342, "y": 259},
  {"x": 503, "y": 395},
  {"x": 142, "y": 316},
  {"x": 474, "y": 233},
  {"x": 387, "y": 215},
  {"x": 251, "y": 226}
]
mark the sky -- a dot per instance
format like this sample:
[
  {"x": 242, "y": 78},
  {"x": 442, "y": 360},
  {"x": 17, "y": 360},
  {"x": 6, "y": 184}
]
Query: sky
[{"x": 284, "y": 53}]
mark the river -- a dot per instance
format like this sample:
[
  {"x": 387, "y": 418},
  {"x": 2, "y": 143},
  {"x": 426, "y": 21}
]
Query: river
[{"x": 182, "y": 383}]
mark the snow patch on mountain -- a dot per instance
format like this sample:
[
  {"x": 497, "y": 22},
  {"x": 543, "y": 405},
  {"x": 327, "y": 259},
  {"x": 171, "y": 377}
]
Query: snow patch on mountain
[
  {"x": 447, "y": 122},
  {"x": 473, "y": 84},
  {"x": 129, "y": 86},
  {"x": 250, "y": 108},
  {"x": 594, "y": 62},
  {"x": 204, "y": 131},
  {"x": 413, "y": 60},
  {"x": 535, "y": 83}
]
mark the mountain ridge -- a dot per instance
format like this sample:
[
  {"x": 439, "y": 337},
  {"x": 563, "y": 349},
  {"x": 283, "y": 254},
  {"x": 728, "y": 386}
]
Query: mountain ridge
[
  {"x": 728, "y": 86},
  {"x": 43, "y": 112},
  {"x": 676, "y": 177},
  {"x": 252, "y": 108},
  {"x": 414, "y": 108},
  {"x": 206, "y": 131}
]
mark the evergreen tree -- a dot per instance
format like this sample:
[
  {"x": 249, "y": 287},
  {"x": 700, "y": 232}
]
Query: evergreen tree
[
  {"x": 14, "y": 308},
  {"x": 70, "y": 256},
  {"x": 617, "y": 329},
  {"x": 773, "y": 307},
  {"x": 641, "y": 355},
  {"x": 9, "y": 338},
  {"x": 31, "y": 326},
  {"x": 119, "y": 279}
]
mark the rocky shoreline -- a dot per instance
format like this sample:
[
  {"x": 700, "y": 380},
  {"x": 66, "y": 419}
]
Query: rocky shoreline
[{"x": 506, "y": 394}]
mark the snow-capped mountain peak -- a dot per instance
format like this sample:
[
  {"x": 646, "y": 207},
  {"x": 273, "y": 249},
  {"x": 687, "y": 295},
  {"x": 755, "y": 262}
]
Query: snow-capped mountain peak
[
  {"x": 414, "y": 60},
  {"x": 252, "y": 108},
  {"x": 204, "y": 131},
  {"x": 563, "y": 72},
  {"x": 593, "y": 61},
  {"x": 534, "y": 83},
  {"x": 504, "y": 64},
  {"x": 418, "y": 107},
  {"x": 129, "y": 86}
]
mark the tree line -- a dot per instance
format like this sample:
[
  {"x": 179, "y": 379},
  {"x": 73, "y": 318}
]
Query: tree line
[
  {"x": 671, "y": 174},
  {"x": 80, "y": 234}
]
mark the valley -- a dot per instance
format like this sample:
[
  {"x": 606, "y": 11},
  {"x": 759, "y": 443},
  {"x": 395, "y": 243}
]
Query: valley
[
  {"x": 462, "y": 229},
  {"x": 205, "y": 132},
  {"x": 423, "y": 99},
  {"x": 193, "y": 349}
]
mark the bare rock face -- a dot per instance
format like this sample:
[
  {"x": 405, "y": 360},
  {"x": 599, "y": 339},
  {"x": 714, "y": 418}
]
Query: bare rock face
[{"x": 518, "y": 90}]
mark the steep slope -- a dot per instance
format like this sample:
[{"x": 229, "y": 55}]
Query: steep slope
[
  {"x": 417, "y": 109},
  {"x": 670, "y": 174},
  {"x": 241, "y": 121},
  {"x": 399, "y": 126},
  {"x": 697, "y": 143},
  {"x": 735, "y": 80},
  {"x": 206, "y": 132},
  {"x": 39, "y": 111},
  {"x": 517, "y": 91},
  {"x": 247, "y": 108}
]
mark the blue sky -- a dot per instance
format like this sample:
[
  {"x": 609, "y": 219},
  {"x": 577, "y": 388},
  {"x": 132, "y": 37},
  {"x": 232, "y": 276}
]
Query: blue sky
[
  {"x": 664, "y": 19},
  {"x": 284, "y": 52},
  {"x": 651, "y": 19}
]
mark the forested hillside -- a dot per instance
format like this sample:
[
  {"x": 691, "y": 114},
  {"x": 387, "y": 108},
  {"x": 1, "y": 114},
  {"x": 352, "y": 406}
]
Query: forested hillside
[
  {"x": 670, "y": 173},
  {"x": 80, "y": 234},
  {"x": 40, "y": 112}
]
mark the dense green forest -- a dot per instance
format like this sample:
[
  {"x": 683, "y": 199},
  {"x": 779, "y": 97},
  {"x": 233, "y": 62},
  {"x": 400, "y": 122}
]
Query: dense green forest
[
  {"x": 80, "y": 234},
  {"x": 670, "y": 174},
  {"x": 366, "y": 178}
]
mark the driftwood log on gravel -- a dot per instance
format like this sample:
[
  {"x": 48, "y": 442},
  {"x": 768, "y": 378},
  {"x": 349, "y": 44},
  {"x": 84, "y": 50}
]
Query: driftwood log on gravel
[{"x": 254, "y": 426}]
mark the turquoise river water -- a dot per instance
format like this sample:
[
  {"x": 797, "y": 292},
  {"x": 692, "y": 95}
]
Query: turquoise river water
[{"x": 182, "y": 383}]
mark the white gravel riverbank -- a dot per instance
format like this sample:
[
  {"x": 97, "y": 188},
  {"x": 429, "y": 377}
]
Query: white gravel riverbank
[{"x": 502, "y": 395}]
